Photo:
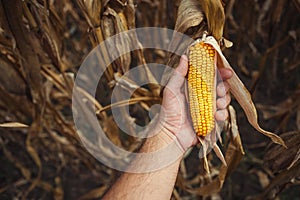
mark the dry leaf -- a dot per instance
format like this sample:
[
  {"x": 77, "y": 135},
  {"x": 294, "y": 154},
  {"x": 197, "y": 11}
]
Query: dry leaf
[
  {"x": 241, "y": 94},
  {"x": 59, "y": 35},
  {"x": 278, "y": 158},
  {"x": 233, "y": 156},
  {"x": 112, "y": 131},
  {"x": 92, "y": 10},
  {"x": 215, "y": 17},
  {"x": 17, "y": 86},
  {"x": 120, "y": 45},
  {"x": 25, "y": 47},
  {"x": 35, "y": 156},
  {"x": 58, "y": 190},
  {"x": 95, "y": 193},
  {"x": 263, "y": 179},
  {"x": 13, "y": 125},
  {"x": 280, "y": 181},
  {"x": 25, "y": 172},
  {"x": 189, "y": 15}
]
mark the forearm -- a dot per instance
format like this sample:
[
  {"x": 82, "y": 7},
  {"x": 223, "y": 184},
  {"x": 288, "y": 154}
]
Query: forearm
[{"x": 154, "y": 185}]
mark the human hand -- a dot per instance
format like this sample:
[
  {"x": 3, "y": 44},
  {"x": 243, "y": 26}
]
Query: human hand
[{"x": 175, "y": 116}]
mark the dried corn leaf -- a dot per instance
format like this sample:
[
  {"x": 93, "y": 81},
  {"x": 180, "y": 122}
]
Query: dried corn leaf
[
  {"x": 69, "y": 43},
  {"x": 189, "y": 15},
  {"x": 25, "y": 172},
  {"x": 280, "y": 181},
  {"x": 13, "y": 125},
  {"x": 112, "y": 131},
  {"x": 190, "y": 22},
  {"x": 19, "y": 105},
  {"x": 263, "y": 178},
  {"x": 233, "y": 156},
  {"x": 117, "y": 24},
  {"x": 241, "y": 94},
  {"x": 35, "y": 156},
  {"x": 25, "y": 47},
  {"x": 278, "y": 158},
  {"x": 215, "y": 17},
  {"x": 99, "y": 107},
  {"x": 17, "y": 86},
  {"x": 7, "y": 40},
  {"x": 58, "y": 190},
  {"x": 129, "y": 12},
  {"x": 33, "y": 153},
  {"x": 54, "y": 78},
  {"x": 95, "y": 193},
  {"x": 92, "y": 10}
]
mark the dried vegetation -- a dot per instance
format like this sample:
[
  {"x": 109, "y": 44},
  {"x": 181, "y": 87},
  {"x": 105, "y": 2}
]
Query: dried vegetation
[{"x": 42, "y": 45}]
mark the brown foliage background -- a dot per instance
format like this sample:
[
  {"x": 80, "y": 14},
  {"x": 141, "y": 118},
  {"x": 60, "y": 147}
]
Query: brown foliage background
[{"x": 42, "y": 45}]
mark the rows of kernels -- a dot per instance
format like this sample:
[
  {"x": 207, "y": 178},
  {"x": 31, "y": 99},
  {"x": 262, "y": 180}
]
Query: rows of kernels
[{"x": 201, "y": 85}]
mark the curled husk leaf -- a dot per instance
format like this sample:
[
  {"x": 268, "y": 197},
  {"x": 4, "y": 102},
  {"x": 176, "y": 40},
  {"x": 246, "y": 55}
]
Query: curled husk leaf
[{"x": 241, "y": 94}]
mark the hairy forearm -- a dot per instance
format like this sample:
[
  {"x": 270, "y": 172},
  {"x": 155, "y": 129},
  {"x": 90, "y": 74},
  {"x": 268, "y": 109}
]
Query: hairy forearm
[{"x": 153, "y": 185}]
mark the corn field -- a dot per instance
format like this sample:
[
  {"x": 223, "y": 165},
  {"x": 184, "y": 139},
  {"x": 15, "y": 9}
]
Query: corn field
[{"x": 43, "y": 44}]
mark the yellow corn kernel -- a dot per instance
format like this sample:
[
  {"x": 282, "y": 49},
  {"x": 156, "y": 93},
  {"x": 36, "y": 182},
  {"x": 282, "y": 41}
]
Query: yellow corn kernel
[{"x": 201, "y": 85}]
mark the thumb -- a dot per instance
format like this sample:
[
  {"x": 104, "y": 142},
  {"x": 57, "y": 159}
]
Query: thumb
[
  {"x": 183, "y": 66},
  {"x": 178, "y": 77}
]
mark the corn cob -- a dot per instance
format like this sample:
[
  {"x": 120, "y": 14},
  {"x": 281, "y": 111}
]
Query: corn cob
[{"x": 201, "y": 85}]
